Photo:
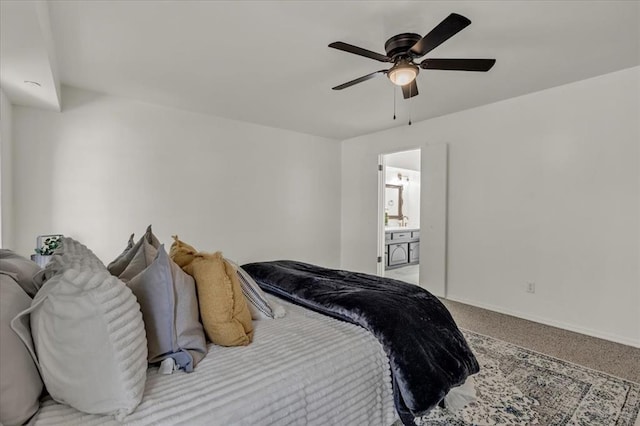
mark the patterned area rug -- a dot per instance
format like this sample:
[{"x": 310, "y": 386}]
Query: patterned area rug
[{"x": 516, "y": 386}]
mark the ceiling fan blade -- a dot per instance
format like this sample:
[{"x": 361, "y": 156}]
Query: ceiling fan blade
[
  {"x": 359, "y": 51},
  {"x": 410, "y": 90},
  {"x": 446, "y": 29},
  {"x": 359, "y": 80},
  {"x": 458, "y": 64}
]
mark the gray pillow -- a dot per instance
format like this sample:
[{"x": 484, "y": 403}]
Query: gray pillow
[
  {"x": 167, "y": 298},
  {"x": 22, "y": 267},
  {"x": 120, "y": 263},
  {"x": 20, "y": 382},
  {"x": 144, "y": 255},
  {"x": 116, "y": 263}
]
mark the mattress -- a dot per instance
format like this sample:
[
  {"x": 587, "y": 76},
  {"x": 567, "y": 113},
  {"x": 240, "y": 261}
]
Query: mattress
[{"x": 303, "y": 369}]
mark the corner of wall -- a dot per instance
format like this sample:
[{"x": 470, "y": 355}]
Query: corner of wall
[{"x": 6, "y": 172}]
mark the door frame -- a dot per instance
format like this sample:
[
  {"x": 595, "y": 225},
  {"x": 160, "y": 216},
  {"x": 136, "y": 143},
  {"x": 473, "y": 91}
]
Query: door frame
[
  {"x": 433, "y": 216},
  {"x": 382, "y": 167}
]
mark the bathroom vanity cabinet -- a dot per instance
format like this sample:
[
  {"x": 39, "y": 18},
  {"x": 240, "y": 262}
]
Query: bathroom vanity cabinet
[{"x": 402, "y": 247}]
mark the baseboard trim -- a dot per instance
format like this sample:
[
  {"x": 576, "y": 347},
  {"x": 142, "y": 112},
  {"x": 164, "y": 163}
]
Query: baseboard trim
[{"x": 559, "y": 324}]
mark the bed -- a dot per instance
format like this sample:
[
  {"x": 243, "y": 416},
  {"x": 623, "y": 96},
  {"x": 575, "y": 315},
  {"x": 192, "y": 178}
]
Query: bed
[
  {"x": 303, "y": 369},
  {"x": 353, "y": 349}
]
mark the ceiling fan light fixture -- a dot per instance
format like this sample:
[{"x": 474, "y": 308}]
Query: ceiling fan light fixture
[
  {"x": 403, "y": 49},
  {"x": 403, "y": 73}
]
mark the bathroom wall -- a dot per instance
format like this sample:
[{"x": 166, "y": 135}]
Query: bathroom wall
[{"x": 410, "y": 194}]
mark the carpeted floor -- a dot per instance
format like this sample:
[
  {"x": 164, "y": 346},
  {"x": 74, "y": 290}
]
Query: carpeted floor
[
  {"x": 598, "y": 354},
  {"x": 602, "y": 355},
  {"x": 517, "y": 386},
  {"x": 562, "y": 387}
]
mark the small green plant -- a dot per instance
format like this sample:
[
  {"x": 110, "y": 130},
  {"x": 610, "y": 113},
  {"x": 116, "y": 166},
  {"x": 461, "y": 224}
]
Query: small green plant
[{"x": 49, "y": 245}]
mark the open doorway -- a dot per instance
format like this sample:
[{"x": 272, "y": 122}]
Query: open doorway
[
  {"x": 431, "y": 221},
  {"x": 400, "y": 229}
]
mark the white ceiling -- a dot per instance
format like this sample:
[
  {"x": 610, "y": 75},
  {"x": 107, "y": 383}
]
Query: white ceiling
[
  {"x": 409, "y": 160},
  {"x": 27, "y": 54},
  {"x": 267, "y": 62}
]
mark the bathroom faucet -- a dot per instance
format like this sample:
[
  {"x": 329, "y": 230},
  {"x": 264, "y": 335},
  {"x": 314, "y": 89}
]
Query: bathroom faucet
[{"x": 403, "y": 221}]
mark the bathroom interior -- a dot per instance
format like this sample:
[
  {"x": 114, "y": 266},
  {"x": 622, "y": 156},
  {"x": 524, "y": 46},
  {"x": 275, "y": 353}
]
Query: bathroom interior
[{"x": 402, "y": 216}]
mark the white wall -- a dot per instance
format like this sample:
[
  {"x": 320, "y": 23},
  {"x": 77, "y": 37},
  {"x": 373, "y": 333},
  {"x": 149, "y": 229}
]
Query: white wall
[
  {"x": 544, "y": 188},
  {"x": 6, "y": 177},
  {"x": 108, "y": 166}
]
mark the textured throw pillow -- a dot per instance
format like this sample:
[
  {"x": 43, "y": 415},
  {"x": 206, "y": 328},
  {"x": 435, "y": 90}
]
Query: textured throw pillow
[
  {"x": 259, "y": 306},
  {"x": 88, "y": 341},
  {"x": 20, "y": 382},
  {"x": 167, "y": 298},
  {"x": 23, "y": 268},
  {"x": 120, "y": 263},
  {"x": 225, "y": 315},
  {"x": 71, "y": 254},
  {"x": 181, "y": 253}
]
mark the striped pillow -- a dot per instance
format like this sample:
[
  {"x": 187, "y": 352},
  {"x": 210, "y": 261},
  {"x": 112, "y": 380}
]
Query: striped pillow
[
  {"x": 89, "y": 341},
  {"x": 260, "y": 307}
]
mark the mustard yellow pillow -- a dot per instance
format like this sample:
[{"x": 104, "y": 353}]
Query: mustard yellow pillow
[{"x": 223, "y": 308}]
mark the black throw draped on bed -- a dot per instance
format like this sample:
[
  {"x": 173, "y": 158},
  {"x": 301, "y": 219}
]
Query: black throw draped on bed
[{"x": 427, "y": 352}]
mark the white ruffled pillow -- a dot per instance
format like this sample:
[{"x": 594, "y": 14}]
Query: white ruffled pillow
[{"x": 88, "y": 340}]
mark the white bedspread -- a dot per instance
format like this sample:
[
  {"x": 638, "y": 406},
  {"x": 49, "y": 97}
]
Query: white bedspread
[{"x": 303, "y": 369}]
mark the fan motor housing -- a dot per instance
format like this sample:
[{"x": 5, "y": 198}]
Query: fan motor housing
[{"x": 400, "y": 44}]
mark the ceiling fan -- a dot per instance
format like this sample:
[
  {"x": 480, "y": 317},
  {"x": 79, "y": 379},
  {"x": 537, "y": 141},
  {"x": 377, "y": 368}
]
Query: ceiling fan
[{"x": 403, "y": 49}]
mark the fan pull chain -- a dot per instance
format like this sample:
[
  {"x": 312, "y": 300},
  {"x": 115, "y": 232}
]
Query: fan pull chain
[
  {"x": 394, "y": 102},
  {"x": 410, "y": 102}
]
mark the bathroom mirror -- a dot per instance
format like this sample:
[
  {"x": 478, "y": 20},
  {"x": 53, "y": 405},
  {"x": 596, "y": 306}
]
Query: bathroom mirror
[{"x": 393, "y": 201}]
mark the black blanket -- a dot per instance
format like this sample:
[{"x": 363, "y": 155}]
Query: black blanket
[{"x": 427, "y": 352}]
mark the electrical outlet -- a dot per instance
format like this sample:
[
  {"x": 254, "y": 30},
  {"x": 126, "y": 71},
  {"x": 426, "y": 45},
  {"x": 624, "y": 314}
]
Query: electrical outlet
[{"x": 531, "y": 287}]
